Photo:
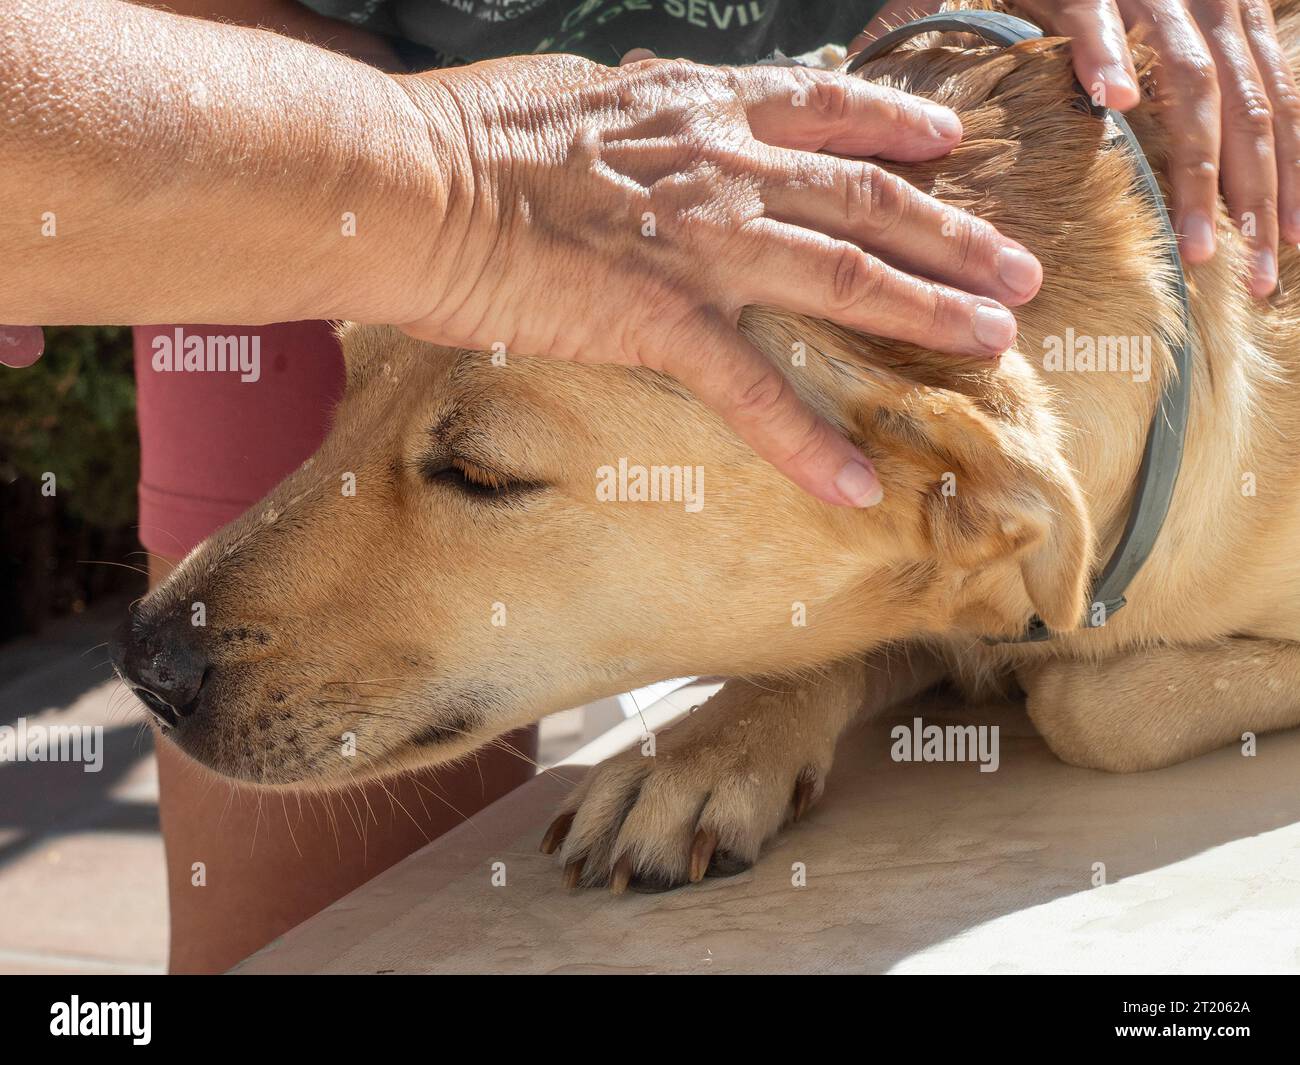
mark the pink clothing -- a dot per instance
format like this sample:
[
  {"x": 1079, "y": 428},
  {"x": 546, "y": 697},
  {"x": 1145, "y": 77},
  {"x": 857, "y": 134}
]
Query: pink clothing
[{"x": 217, "y": 435}]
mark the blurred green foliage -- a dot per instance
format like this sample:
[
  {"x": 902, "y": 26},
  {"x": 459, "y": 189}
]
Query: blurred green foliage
[{"x": 73, "y": 414}]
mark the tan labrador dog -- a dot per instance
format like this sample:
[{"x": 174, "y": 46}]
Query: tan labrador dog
[{"x": 467, "y": 553}]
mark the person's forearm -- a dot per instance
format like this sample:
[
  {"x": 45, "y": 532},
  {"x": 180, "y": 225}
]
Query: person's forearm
[
  {"x": 159, "y": 168},
  {"x": 548, "y": 204},
  {"x": 292, "y": 19}
]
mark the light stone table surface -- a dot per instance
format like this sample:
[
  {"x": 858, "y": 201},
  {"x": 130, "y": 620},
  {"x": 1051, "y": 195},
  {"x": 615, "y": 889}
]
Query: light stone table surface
[{"x": 911, "y": 868}]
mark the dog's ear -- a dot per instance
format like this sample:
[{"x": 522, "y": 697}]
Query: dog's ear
[
  {"x": 991, "y": 491},
  {"x": 1039, "y": 521},
  {"x": 978, "y": 450}
]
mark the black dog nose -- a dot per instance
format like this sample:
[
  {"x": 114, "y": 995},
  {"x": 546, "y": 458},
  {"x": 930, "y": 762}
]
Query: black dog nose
[{"x": 163, "y": 662}]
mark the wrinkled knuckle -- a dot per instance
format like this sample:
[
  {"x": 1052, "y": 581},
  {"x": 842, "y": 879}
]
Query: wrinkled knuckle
[
  {"x": 903, "y": 113},
  {"x": 859, "y": 192},
  {"x": 1251, "y": 111},
  {"x": 881, "y": 193},
  {"x": 874, "y": 196},
  {"x": 970, "y": 243},
  {"x": 827, "y": 97},
  {"x": 939, "y": 311},
  {"x": 854, "y": 279},
  {"x": 761, "y": 396},
  {"x": 1286, "y": 106}
]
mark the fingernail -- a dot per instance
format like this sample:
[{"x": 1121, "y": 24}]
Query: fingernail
[
  {"x": 21, "y": 345},
  {"x": 1121, "y": 89},
  {"x": 1019, "y": 271},
  {"x": 857, "y": 482},
  {"x": 945, "y": 124},
  {"x": 994, "y": 327},
  {"x": 1198, "y": 237},
  {"x": 1265, "y": 280}
]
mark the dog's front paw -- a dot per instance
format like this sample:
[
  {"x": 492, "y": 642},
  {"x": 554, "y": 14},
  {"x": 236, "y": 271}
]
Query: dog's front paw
[{"x": 718, "y": 785}]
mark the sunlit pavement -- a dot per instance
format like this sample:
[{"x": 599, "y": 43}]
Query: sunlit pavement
[{"x": 81, "y": 859}]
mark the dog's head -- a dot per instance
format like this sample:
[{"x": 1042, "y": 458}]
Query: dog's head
[{"x": 481, "y": 541}]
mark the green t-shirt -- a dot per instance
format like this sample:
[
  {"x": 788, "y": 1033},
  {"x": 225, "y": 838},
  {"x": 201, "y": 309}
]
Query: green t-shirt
[{"x": 450, "y": 32}]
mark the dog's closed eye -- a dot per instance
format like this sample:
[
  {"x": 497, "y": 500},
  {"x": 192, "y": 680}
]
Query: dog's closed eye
[{"x": 475, "y": 480}]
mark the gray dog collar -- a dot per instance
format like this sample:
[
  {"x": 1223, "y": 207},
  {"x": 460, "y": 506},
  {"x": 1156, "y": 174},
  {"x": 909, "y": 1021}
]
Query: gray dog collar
[{"x": 1163, "y": 456}]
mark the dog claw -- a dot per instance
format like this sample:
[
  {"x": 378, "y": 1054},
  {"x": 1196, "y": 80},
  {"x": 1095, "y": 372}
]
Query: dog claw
[
  {"x": 706, "y": 841},
  {"x": 621, "y": 876},
  {"x": 803, "y": 794},
  {"x": 573, "y": 872},
  {"x": 556, "y": 834}
]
